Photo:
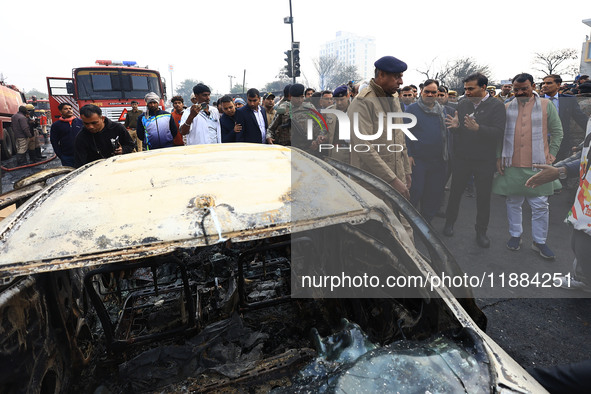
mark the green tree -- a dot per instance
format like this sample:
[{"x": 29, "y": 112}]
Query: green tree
[
  {"x": 185, "y": 88},
  {"x": 34, "y": 92},
  {"x": 281, "y": 79},
  {"x": 238, "y": 88}
]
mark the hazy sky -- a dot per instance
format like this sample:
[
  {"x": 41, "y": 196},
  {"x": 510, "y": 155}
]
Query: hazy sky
[{"x": 46, "y": 38}]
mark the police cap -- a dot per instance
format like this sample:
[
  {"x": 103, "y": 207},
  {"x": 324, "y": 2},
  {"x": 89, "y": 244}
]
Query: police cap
[
  {"x": 390, "y": 64},
  {"x": 341, "y": 91},
  {"x": 297, "y": 90}
]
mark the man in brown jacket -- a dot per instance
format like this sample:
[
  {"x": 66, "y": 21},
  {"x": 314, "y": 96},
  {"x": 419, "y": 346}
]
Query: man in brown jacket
[
  {"x": 383, "y": 158},
  {"x": 387, "y": 159},
  {"x": 22, "y": 133}
]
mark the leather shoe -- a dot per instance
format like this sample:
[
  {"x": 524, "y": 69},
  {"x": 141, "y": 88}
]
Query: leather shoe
[
  {"x": 482, "y": 240},
  {"x": 448, "y": 230}
]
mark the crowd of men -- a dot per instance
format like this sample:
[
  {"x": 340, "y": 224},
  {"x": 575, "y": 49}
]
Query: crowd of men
[{"x": 494, "y": 141}]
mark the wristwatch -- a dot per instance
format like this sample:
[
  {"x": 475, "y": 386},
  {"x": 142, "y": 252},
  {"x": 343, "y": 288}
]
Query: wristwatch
[{"x": 561, "y": 172}]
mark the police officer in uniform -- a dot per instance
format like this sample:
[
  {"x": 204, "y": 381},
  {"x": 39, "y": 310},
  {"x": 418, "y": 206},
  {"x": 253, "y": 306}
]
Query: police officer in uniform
[
  {"x": 279, "y": 131},
  {"x": 301, "y": 113}
]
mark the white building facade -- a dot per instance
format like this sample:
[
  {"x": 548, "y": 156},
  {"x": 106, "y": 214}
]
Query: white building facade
[
  {"x": 355, "y": 50},
  {"x": 586, "y": 53}
]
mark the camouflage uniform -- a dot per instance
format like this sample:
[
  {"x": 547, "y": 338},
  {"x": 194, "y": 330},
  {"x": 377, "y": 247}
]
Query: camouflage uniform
[
  {"x": 280, "y": 128},
  {"x": 299, "y": 126},
  {"x": 584, "y": 102},
  {"x": 341, "y": 153}
]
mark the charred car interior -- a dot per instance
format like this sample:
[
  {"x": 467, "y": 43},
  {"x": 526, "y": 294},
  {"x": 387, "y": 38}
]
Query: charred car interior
[{"x": 217, "y": 311}]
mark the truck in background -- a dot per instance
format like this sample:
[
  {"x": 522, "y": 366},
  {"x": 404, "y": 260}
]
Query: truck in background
[
  {"x": 10, "y": 99},
  {"x": 110, "y": 85}
]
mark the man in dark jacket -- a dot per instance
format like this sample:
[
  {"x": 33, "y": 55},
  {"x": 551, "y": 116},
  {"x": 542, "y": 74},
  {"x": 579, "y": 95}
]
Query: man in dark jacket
[
  {"x": 228, "y": 122},
  {"x": 156, "y": 128},
  {"x": 567, "y": 109},
  {"x": 477, "y": 127},
  {"x": 428, "y": 155},
  {"x": 22, "y": 134},
  {"x": 63, "y": 134},
  {"x": 100, "y": 138},
  {"x": 253, "y": 119}
]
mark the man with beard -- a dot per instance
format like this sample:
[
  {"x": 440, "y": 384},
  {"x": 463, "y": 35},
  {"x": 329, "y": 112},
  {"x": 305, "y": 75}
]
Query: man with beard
[
  {"x": 156, "y": 128},
  {"x": 530, "y": 120},
  {"x": 201, "y": 124},
  {"x": 63, "y": 134},
  {"x": 476, "y": 128},
  {"x": 269, "y": 106}
]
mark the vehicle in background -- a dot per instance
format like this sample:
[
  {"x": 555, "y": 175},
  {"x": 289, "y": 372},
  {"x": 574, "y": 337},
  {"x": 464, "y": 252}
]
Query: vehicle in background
[
  {"x": 103, "y": 272},
  {"x": 10, "y": 99},
  {"x": 110, "y": 85}
]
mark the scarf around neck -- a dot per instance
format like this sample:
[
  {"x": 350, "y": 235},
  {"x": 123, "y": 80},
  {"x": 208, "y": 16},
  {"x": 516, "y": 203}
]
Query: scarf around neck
[
  {"x": 537, "y": 134},
  {"x": 437, "y": 110},
  {"x": 69, "y": 120}
]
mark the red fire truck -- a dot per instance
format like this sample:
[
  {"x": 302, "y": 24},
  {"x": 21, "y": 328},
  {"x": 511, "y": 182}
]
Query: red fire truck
[
  {"x": 10, "y": 99},
  {"x": 110, "y": 85}
]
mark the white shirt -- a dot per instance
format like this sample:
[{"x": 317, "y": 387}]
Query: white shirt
[
  {"x": 259, "y": 117},
  {"x": 204, "y": 129}
]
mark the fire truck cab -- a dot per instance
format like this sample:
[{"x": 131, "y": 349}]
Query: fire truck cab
[{"x": 110, "y": 85}]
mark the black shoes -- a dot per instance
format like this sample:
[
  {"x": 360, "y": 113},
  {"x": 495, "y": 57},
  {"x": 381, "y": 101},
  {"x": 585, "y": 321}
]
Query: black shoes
[
  {"x": 482, "y": 240},
  {"x": 448, "y": 230}
]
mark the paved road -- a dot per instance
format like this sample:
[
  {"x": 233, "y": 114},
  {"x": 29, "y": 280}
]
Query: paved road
[{"x": 535, "y": 328}]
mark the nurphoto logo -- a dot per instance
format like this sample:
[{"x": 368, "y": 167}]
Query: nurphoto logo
[{"x": 344, "y": 130}]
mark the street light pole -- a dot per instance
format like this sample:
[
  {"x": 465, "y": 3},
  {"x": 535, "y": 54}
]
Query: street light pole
[
  {"x": 291, "y": 25},
  {"x": 290, "y": 21}
]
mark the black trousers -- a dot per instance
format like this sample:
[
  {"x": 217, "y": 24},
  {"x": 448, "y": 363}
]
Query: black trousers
[
  {"x": 462, "y": 170},
  {"x": 569, "y": 379}
]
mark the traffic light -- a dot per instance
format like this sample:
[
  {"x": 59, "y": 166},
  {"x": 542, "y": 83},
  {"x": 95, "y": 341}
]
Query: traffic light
[
  {"x": 295, "y": 56},
  {"x": 289, "y": 67}
]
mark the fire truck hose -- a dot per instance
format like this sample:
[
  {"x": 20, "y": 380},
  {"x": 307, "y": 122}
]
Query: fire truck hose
[{"x": 29, "y": 165}]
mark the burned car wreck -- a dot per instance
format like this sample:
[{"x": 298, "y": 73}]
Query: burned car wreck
[{"x": 178, "y": 270}]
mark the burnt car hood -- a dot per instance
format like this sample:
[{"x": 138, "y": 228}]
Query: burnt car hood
[{"x": 150, "y": 203}]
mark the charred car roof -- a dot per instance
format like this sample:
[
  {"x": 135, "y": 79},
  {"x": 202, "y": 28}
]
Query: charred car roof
[{"x": 146, "y": 204}]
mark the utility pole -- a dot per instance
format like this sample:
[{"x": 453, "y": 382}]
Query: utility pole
[
  {"x": 231, "y": 76},
  {"x": 289, "y": 20},
  {"x": 171, "y": 67}
]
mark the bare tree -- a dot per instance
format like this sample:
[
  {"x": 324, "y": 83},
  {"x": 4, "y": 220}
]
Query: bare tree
[
  {"x": 556, "y": 62},
  {"x": 453, "y": 72},
  {"x": 462, "y": 68},
  {"x": 439, "y": 73},
  {"x": 332, "y": 72}
]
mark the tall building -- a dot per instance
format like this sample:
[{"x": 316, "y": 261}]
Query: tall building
[
  {"x": 351, "y": 49},
  {"x": 586, "y": 53}
]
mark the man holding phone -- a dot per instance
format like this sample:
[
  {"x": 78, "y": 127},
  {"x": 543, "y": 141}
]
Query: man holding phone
[
  {"x": 201, "y": 124},
  {"x": 229, "y": 123}
]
